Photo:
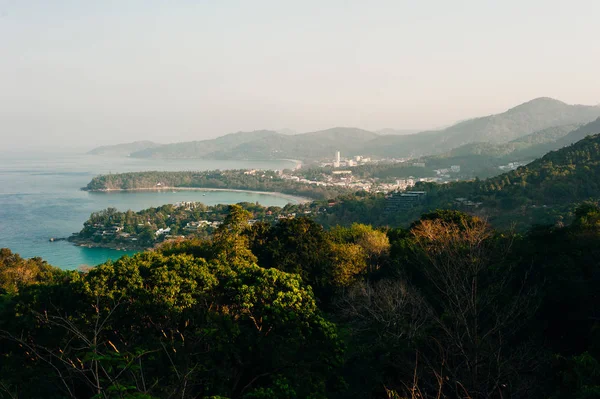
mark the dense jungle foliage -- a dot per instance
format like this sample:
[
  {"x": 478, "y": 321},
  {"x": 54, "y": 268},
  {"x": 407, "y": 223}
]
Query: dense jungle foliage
[{"x": 448, "y": 308}]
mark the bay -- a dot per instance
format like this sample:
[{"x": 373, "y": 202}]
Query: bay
[{"x": 41, "y": 197}]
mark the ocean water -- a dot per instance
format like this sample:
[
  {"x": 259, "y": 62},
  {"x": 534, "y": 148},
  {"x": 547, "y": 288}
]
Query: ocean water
[{"x": 40, "y": 198}]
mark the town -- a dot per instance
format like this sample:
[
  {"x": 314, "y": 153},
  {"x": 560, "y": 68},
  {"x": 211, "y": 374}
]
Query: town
[{"x": 341, "y": 173}]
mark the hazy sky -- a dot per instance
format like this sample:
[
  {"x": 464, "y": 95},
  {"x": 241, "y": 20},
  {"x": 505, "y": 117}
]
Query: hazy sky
[{"x": 91, "y": 72}]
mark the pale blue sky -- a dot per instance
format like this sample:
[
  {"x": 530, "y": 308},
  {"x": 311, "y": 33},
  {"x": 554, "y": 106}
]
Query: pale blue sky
[{"x": 88, "y": 72}]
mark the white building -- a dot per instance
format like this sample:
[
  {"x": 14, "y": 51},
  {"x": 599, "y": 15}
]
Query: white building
[
  {"x": 336, "y": 162},
  {"x": 403, "y": 184},
  {"x": 162, "y": 231}
]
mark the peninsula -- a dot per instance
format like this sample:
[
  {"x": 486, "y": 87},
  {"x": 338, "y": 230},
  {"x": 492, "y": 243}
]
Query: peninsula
[
  {"x": 261, "y": 181},
  {"x": 147, "y": 228}
]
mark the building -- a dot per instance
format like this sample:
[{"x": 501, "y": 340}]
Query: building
[
  {"x": 403, "y": 201},
  {"x": 455, "y": 168},
  {"x": 336, "y": 162},
  {"x": 162, "y": 231},
  {"x": 403, "y": 184}
]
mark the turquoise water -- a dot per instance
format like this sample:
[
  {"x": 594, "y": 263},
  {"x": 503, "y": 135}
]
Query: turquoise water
[{"x": 40, "y": 197}]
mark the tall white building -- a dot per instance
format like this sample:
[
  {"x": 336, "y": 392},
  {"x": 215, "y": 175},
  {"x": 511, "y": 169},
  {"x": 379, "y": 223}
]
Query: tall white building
[{"x": 336, "y": 163}]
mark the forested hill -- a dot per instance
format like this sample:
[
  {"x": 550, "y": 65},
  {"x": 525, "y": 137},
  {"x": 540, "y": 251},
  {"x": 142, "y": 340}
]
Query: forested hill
[
  {"x": 123, "y": 149},
  {"x": 560, "y": 141},
  {"x": 482, "y": 159},
  {"x": 571, "y": 173},
  {"x": 228, "y": 179},
  {"x": 559, "y": 178},
  {"x": 543, "y": 192},
  {"x": 519, "y": 121},
  {"x": 206, "y": 148},
  {"x": 266, "y": 144},
  {"x": 449, "y": 308}
]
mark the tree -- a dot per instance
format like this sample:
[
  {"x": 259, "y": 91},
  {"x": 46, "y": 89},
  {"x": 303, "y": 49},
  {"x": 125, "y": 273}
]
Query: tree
[
  {"x": 170, "y": 326},
  {"x": 16, "y": 272},
  {"x": 348, "y": 261},
  {"x": 297, "y": 245},
  {"x": 477, "y": 302},
  {"x": 229, "y": 241},
  {"x": 374, "y": 243}
]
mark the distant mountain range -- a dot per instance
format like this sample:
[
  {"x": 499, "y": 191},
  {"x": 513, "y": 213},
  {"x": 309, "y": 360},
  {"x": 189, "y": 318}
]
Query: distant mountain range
[
  {"x": 522, "y": 120},
  {"x": 534, "y": 123},
  {"x": 479, "y": 156},
  {"x": 123, "y": 149},
  {"x": 396, "y": 132},
  {"x": 267, "y": 144}
]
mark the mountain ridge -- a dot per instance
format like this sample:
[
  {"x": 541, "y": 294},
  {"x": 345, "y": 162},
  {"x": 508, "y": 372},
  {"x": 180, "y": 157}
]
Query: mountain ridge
[
  {"x": 123, "y": 149},
  {"x": 519, "y": 121}
]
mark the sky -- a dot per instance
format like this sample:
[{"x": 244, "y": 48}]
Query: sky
[{"x": 82, "y": 73}]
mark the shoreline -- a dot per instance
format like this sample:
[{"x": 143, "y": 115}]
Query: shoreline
[
  {"x": 298, "y": 199},
  {"x": 82, "y": 244},
  {"x": 298, "y": 163}
]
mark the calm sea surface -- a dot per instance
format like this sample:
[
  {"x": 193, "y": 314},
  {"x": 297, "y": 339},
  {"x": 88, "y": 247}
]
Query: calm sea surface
[{"x": 40, "y": 197}]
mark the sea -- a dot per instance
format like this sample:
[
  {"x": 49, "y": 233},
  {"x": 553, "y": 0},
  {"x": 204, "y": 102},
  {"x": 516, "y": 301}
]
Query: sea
[{"x": 41, "y": 198}]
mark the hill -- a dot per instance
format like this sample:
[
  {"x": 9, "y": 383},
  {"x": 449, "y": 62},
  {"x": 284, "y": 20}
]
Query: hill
[
  {"x": 522, "y": 120},
  {"x": 543, "y": 119},
  {"x": 265, "y": 144},
  {"x": 204, "y": 148},
  {"x": 542, "y": 192},
  {"x": 573, "y": 136},
  {"x": 397, "y": 132},
  {"x": 483, "y": 159},
  {"x": 123, "y": 149}
]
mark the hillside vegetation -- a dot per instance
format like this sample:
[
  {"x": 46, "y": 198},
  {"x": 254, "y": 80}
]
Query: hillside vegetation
[
  {"x": 266, "y": 144},
  {"x": 483, "y": 159},
  {"x": 542, "y": 192},
  {"x": 522, "y": 120},
  {"x": 226, "y": 179},
  {"x": 448, "y": 308}
]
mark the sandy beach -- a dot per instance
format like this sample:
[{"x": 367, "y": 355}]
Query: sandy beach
[{"x": 292, "y": 198}]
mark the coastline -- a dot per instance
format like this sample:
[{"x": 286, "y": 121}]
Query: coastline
[
  {"x": 295, "y": 198},
  {"x": 90, "y": 244},
  {"x": 298, "y": 163}
]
